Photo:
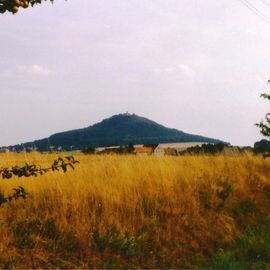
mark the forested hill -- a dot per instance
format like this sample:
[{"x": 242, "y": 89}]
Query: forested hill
[{"x": 122, "y": 129}]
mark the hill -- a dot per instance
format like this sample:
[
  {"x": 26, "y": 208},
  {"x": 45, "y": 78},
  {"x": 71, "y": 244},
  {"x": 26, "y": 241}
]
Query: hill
[{"x": 121, "y": 129}]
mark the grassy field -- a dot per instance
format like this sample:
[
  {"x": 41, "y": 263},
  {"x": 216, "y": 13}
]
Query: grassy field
[{"x": 205, "y": 212}]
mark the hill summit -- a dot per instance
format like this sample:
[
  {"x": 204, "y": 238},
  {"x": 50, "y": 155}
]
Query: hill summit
[{"x": 121, "y": 129}]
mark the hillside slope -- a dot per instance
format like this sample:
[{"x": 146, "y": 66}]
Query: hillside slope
[{"x": 122, "y": 129}]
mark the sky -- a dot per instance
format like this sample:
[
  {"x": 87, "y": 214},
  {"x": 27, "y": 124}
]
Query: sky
[{"x": 195, "y": 65}]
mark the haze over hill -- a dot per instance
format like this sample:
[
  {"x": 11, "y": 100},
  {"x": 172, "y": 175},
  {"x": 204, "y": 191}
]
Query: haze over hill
[{"x": 121, "y": 129}]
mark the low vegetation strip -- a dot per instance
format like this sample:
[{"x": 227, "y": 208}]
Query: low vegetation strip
[{"x": 204, "y": 212}]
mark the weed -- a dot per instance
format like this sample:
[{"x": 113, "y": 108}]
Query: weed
[
  {"x": 49, "y": 230},
  {"x": 227, "y": 261},
  {"x": 204, "y": 198},
  {"x": 8, "y": 263},
  {"x": 255, "y": 244},
  {"x": 25, "y": 232},
  {"x": 120, "y": 243},
  {"x": 267, "y": 192},
  {"x": 68, "y": 244},
  {"x": 251, "y": 251},
  {"x": 247, "y": 206},
  {"x": 223, "y": 192}
]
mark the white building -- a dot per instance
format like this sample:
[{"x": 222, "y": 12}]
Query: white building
[
  {"x": 4, "y": 150},
  {"x": 162, "y": 148}
]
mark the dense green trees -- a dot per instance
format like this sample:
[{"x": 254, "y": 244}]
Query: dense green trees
[
  {"x": 206, "y": 149},
  {"x": 14, "y": 5},
  {"x": 263, "y": 146}
]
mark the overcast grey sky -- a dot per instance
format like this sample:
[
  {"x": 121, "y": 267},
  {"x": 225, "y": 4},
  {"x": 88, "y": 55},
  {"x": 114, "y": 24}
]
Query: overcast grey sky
[{"x": 195, "y": 65}]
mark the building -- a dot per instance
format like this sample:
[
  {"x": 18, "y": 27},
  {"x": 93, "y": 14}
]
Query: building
[
  {"x": 143, "y": 150},
  {"x": 174, "y": 148},
  {"x": 4, "y": 150}
]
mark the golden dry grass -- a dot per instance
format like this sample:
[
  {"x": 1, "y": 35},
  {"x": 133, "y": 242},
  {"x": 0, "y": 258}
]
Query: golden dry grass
[{"x": 131, "y": 211}]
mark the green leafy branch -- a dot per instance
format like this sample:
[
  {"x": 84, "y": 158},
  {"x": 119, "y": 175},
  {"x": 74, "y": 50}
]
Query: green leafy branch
[
  {"x": 14, "y": 5},
  {"x": 17, "y": 193},
  {"x": 34, "y": 170},
  {"x": 265, "y": 125},
  {"x": 60, "y": 164}
]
